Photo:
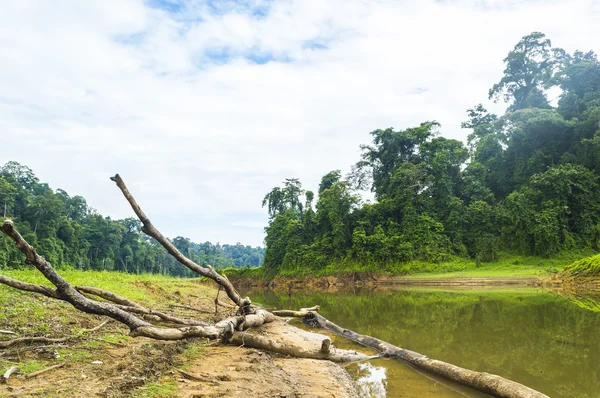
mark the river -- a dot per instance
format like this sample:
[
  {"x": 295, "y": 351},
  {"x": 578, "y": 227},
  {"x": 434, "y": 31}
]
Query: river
[{"x": 545, "y": 340}]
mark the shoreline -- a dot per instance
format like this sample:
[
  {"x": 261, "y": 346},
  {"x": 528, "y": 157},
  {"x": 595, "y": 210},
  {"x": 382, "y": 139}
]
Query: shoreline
[{"x": 368, "y": 280}]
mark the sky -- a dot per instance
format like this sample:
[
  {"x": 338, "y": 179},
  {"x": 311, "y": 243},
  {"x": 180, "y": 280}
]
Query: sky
[{"x": 204, "y": 106}]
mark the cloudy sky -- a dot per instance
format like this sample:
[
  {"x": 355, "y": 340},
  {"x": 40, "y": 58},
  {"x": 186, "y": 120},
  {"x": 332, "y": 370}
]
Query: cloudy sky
[{"x": 204, "y": 106}]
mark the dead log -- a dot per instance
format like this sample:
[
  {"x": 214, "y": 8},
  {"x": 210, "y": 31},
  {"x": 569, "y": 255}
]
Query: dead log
[
  {"x": 494, "y": 385},
  {"x": 325, "y": 351},
  {"x": 138, "y": 327}
]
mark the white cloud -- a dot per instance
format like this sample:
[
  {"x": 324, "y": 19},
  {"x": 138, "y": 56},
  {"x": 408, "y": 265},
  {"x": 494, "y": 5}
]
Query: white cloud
[{"x": 97, "y": 87}]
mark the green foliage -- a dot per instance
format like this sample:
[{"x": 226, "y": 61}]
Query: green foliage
[
  {"x": 589, "y": 266},
  {"x": 72, "y": 235},
  {"x": 527, "y": 183}
]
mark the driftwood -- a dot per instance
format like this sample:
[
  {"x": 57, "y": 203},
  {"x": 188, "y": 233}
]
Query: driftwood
[
  {"x": 12, "y": 370},
  {"x": 48, "y": 369},
  {"x": 138, "y": 327},
  {"x": 149, "y": 229},
  {"x": 297, "y": 314},
  {"x": 277, "y": 337},
  {"x": 139, "y": 319},
  {"x": 480, "y": 381}
]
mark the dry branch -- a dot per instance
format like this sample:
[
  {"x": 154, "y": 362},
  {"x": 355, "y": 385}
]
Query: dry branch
[
  {"x": 48, "y": 369},
  {"x": 197, "y": 378},
  {"x": 135, "y": 308},
  {"x": 138, "y": 327},
  {"x": 149, "y": 229},
  {"x": 481, "y": 381},
  {"x": 187, "y": 307},
  {"x": 296, "y": 314}
]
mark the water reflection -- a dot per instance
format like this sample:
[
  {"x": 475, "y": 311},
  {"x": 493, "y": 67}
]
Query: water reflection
[
  {"x": 371, "y": 380},
  {"x": 535, "y": 337}
]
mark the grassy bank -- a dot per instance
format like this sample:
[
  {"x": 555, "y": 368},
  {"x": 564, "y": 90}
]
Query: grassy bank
[
  {"x": 507, "y": 266},
  {"x": 586, "y": 267},
  {"x": 109, "y": 362}
]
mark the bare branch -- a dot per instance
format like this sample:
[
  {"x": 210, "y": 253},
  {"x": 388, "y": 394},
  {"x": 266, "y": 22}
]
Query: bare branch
[
  {"x": 48, "y": 369},
  {"x": 138, "y": 327},
  {"x": 28, "y": 287},
  {"x": 149, "y": 229}
]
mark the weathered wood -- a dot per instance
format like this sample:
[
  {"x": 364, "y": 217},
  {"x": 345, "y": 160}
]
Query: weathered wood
[
  {"x": 9, "y": 372},
  {"x": 138, "y": 327},
  {"x": 108, "y": 295},
  {"x": 8, "y": 332},
  {"x": 149, "y": 229},
  {"x": 187, "y": 307},
  {"x": 135, "y": 308},
  {"x": 48, "y": 369},
  {"x": 324, "y": 351},
  {"x": 488, "y": 383},
  {"x": 296, "y": 314},
  {"x": 28, "y": 287}
]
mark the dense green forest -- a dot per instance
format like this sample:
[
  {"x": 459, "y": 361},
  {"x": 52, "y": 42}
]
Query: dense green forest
[
  {"x": 525, "y": 182},
  {"x": 69, "y": 233}
]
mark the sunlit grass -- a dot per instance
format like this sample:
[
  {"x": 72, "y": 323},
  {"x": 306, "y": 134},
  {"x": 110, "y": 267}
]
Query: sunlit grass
[
  {"x": 507, "y": 266},
  {"x": 157, "y": 390}
]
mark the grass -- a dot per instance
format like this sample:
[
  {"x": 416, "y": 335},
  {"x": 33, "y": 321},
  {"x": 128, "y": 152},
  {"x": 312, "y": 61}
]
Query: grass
[
  {"x": 508, "y": 266},
  {"x": 586, "y": 267},
  {"x": 166, "y": 389},
  {"x": 134, "y": 287},
  {"x": 193, "y": 351}
]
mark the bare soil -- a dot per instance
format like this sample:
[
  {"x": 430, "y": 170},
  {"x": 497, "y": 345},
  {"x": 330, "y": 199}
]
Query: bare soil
[{"x": 110, "y": 364}]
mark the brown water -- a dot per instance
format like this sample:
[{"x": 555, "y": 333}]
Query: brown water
[{"x": 539, "y": 338}]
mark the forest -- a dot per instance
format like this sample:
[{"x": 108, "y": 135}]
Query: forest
[
  {"x": 71, "y": 234},
  {"x": 525, "y": 182}
]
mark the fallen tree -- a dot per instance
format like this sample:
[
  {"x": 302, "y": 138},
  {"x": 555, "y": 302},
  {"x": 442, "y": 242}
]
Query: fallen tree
[{"x": 150, "y": 323}]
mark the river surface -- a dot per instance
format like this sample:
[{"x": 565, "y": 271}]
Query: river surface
[{"x": 545, "y": 340}]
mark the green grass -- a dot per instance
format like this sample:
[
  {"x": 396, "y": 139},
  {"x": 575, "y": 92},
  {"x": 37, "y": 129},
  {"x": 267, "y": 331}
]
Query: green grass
[
  {"x": 157, "y": 390},
  {"x": 134, "y": 287},
  {"x": 586, "y": 267},
  {"x": 508, "y": 266}
]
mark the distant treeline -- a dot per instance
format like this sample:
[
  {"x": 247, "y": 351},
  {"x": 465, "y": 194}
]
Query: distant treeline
[
  {"x": 525, "y": 182},
  {"x": 69, "y": 233}
]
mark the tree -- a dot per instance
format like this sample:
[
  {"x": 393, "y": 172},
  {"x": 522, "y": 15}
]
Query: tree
[
  {"x": 529, "y": 66},
  {"x": 247, "y": 316}
]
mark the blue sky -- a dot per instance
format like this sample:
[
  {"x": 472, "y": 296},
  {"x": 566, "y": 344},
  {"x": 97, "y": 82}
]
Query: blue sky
[{"x": 204, "y": 106}]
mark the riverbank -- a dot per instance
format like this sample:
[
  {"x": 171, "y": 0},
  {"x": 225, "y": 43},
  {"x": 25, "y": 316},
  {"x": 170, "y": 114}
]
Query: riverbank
[
  {"x": 110, "y": 363},
  {"x": 509, "y": 270}
]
